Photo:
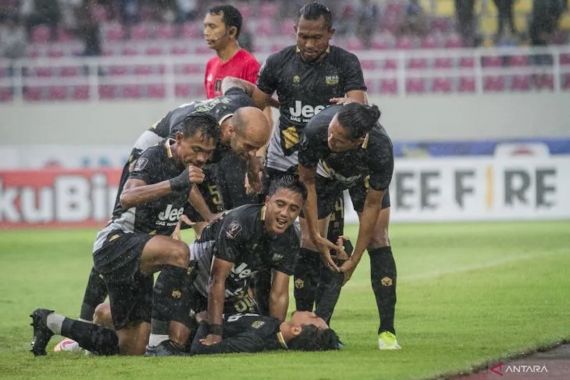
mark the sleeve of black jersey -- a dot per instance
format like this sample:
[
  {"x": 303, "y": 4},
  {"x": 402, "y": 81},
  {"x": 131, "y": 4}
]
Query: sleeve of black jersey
[
  {"x": 352, "y": 73},
  {"x": 239, "y": 97},
  {"x": 144, "y": 167},
  {"x": 162, "y": 127},
  {"x": 381, "y": 161},
  {"x": 310, "y": 146},
  {"x": 267, "y": 80},
  {"x": 230, "y": 239}
]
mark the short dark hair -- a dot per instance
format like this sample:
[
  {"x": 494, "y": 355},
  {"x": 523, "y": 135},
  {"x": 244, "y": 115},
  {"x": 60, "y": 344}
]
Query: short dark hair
[
  {"x": 231, "y": 16},
  {"x": 201, "y": 122},
  {"x": 288, "y": 182},
  {"x": 312, "y": 338},
  {"x": 314, "y": 10},
  {"x": 358, "y": 118}
]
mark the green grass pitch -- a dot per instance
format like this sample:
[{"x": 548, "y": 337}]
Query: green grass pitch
[{"x": 468, "y": 294}]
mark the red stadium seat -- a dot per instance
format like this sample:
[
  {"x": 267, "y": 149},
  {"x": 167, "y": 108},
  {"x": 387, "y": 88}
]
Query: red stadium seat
[
  {"x": 80, "y": 92},
  {"x": 565, "y": 83},
  {"x": 5, "y": 94},
  {"x": 107, "y": 91},
  {"x": 154, "y": 50},
  {"x": 442, "y": 85},
  {"x": 415, "y": 86},
  {"x": 191, "y": 30},
  {"x": 132, "y": 91},
  {"x": 130, "y": 51},
  {"x": 57, "y": 92},
  {"x": 492, "y": 61},
  {"x": 417, "y": 63},
  {"x": 494, "y": 84},
  {"x": 466, "y": 62},
  {"x": 70, "y": 71},
  {"x": 140, "y": 32},
  {"x": 182, "y": 90},
  {"x": 287, "y": 27},
  {"x": 114, "y": 32},
  {"x": 143, "y": 70},
  {"x": 518, "y": 61},
  {"x": 118, "y": 70},
  {"x": 520, "y": 83},
  {"x": 390, "y": 64},
  {"x": 179, "y": 50},
  {"x": 156, "y": 91},
  {"x": 55, "y": 52},
  {"x": 443, "y": 63},
  {"x": 565, "y": 59},
  {"x": 268, "y": 10},
  {"x": 453, "y": 41},
  {"x": 41, "y": 34},
  {"x": 166, "y": 31},
  {"x": 34, "y": 93},
  {"x": 404, "y": 43},
  {"x": 264, "y": 27},
  {"x": 429, "y": 42},
  {"x": 466, "y": 84},
  {"x": 389, "y": 86}
]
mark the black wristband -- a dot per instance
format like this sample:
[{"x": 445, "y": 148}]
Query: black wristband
[
  {"x": 181, "y": 182},
  {"x": 215, "y": 329}
]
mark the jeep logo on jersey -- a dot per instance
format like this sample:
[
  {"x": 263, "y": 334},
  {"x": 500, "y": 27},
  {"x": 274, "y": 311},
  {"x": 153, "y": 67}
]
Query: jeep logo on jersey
[
  {"x": 304, "y": 113},
  {"x": 171, "y": 214}
]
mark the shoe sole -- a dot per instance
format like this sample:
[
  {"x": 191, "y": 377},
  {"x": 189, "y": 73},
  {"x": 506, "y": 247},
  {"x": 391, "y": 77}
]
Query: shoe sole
[{"x": 36, "y": 340}]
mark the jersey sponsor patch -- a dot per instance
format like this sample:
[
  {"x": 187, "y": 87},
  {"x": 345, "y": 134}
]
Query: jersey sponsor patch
[
  {"x": 257, "y": 324},
  {"x": 140, "y": 164},
  {"x": 233, "y": 230}
]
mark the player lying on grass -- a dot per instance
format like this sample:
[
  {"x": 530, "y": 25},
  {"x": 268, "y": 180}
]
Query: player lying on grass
[
  {"x": 245, "y": 241},
  {"x": 254, "y": 333}
]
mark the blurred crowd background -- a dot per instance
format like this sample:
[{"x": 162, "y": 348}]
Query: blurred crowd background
[{"x": 360, "y": 24}]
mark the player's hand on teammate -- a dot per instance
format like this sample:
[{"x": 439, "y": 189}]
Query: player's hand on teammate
[
  {"x": 325, "y": 246},
  {"x": 347, "y": 268},
  {"x": 341, "y": 252},
  {"x": 176, "y": 233},
  {"x": 211, "y": 339}
]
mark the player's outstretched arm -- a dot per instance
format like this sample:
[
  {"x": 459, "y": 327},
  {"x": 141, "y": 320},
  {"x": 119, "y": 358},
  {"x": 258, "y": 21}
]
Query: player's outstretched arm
[
  {"x": 279, "y": 296},
  {"x": 307, "y": 176},
  {"x": 216, "y": 296},
  {"x": 368, "y": 219},
  {"x": 260, "y": 98}
]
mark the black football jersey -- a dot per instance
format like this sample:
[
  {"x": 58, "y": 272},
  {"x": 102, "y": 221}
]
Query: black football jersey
[
  {"x": 160, "y": 216},
  {"x": 242, "y": 333},
  {"x": 374, "y": 158},
  {"x": 239, "y": 236},
  {"x": 304, "y": 89}
]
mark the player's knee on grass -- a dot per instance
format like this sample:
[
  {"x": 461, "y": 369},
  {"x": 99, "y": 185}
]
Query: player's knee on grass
[{"x": 102, "y": 315}]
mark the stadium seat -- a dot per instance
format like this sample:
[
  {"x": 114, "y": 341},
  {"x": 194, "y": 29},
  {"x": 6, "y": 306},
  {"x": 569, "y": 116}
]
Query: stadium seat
[
  {"x": 63, "y": 35},
  {"x": 268, "y": 10},
  {"x": 354, "y": 44},
  {"x": 417, "y": 63},
  {"x": 165, "y": 31},
  {"x": 390, "y": 64},
  {"x": 34, "y": 93},
  {"x": 107, "y": 91},
  {"x": 191, "y": 30},
  {"x": 520, "y": 83},
  {"x": 55, "y": 52},
  {"x": 153, "y": 50},
  {"x": 494, "y": 84},
  {"x": 429, "y": 42},
  {"x": 43, "y": 72},
  {"x": 5, "y": 94},
  {"x": 466, "y": 84},
  {"x": 182, "y": 90},
  {"x": 389, "y": 86},
  {"x": 118, "y": 70},
  {"x": 99, "y": 13},
  {"x": 143, "y": 69},
  {"x": 442, "y": 85},
  {"x": 415, "y": 86},
  {"x": 114, "y": 32},
  {"x": 131, "y": 91},
  {"x": 466, "y": 62},
  {"x": 287, "y": 27},
  {"x": 443, "y": 63},
  {"x": 453, "y": 41},
  {"x": 129, "y": 51},
  {"x": 80, "y": 93},
  {"x": 179, "y": 50},
  {"x": 156, "y": 91},
  {"x": 41, "y": 34},
  {"x": 190, "y": 68},
  {"x": 57, "y": 93},
  {"x": 367, "y": 64},
  {"x": 404, "y": 43},
  {"x": 264, "y": 27},
  {"x": 565, "y": 59},
  {"x": 70, "y": 71},
  {"x": 492, "y": 61},
  {"x": 518, "y": 61},
  {"x": 140, "y": 32},
  {"x": 565, "y": 82},
  {"x": 441, "y": 24}
]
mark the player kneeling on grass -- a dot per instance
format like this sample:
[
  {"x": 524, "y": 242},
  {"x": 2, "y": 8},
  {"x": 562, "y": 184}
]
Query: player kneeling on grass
[
  {"x": 136, "y": 243},
  {"x": 249, "y": 332}
]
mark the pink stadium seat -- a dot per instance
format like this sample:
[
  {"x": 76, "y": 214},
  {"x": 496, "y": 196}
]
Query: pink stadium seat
[
  {"x": 202, "y": 49},
  {"x": 70, "y": 71},
  {"x": 429, "y": 42},
  {"x": 63, "y": 35},
  {"x": 287, "y": 27},
  {"x": 154, "y": 50},
  {"x": 466, "y": 62},
  {"x": 417, "y": 63},
  {"x": 268, "y": 10},
  {"x": 34, "y": 93},
  {"x": 494, "y": 84},
  {"x": 565, "y": 83},
  {"x": 520, "y": 83},
  {"x": 390, "y": 64},
  {"x": 57, "y": 92},
  {"x": 453, "y": 41},
  {"x": 156, "y": 91},
  {"x": 5, "y": 94},
  {"x": 442, "y": 85},
  {"x": 179, "y": 50},
  {"x": 565, "y": 59},
  {"x": 415, "y": 86},
  {"x": 80, "y": 92},
  {"x": 443, "y": 63},
  {"x": 389, "y": 86},
  {"x": 114, "y": 32},
  {"x": 518, "y": 61},
  {"x": 182, "y": 90},
  {"x": 130, "y": 51},
  {"x": 107, "y": 91},
  {"x": 404, "y": 43},
  {"x": 41, "y": 34},
  {"x": 166, "y": 31},
  {"x": 367, "y": 64},
  {"x": 191, "y": 30},
  {"x": 264, "y": 27},
  {"x": 132, "y": 91},
  {"x": 143, "y": 69},
  {"x": 190, "y": 68},
  {"x": 466, "y": 84},
  {"x": 118, "y": 70},
  {"x": 380, "y": 44},
  {"x": 492, "y": 61},
  {"x": 246, "y": 10},
  {"x": 441, "y": 24},
  {"x": 55, "y": 52},
  {"x": 354, "y": 43},
  {"x": 140, "y": 32}
]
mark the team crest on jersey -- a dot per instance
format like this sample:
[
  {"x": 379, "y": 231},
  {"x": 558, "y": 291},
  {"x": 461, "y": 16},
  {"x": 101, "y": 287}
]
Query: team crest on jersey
[
  {"x": 140, "y": 164},
  {"x": 331, "y": 80},
  {"x": 257, "y": 324},
  {"x": 233, "y": 230},
  {"x": 296, "y": 79},
  {"x": 299, "y": 284}
]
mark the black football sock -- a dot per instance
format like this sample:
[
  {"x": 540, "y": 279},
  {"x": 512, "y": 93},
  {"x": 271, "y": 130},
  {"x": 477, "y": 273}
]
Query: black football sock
[
  {"x": 306, "y": 279},
  {"x": 328, "y": 292},
  {"x": 383, "y": 277},
  {"x": 262, "y": 286},
  {"x": 97, "y": 339},
  {"x": 170, "y": 302},
  {"x": 95, "y": 293}
]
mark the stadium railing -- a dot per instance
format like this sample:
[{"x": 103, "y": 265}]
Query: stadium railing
[{"x": 392, "y": 73}]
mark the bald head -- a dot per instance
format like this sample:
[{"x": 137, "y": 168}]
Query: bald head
[{"x": 251, "y": 130}]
